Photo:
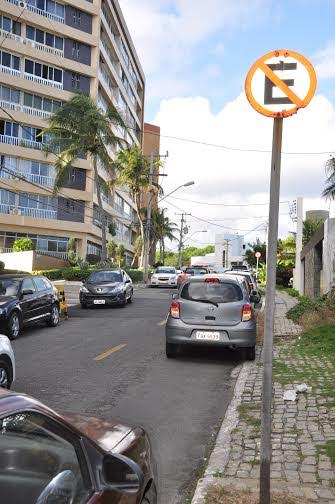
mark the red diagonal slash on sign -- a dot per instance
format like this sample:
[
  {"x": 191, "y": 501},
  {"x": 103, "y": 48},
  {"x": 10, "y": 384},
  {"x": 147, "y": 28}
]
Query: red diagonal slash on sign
[{"x": 280, "y": 84}]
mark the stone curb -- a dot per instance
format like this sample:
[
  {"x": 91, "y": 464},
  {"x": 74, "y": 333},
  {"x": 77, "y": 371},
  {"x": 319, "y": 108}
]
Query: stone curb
[{"x": 220, "y": 455}]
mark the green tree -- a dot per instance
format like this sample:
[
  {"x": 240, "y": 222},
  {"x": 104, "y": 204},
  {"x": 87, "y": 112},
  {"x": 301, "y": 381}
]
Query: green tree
[
  {"x": 111, "y": 249},
  {"x": 132, "y": 170},
  {"x": 285, "y": 259},
  {"x": 138, "y": 246},
  {"x": 81, "y": 127},
  {"x": 120, "y": 255},
  {"x": 23, "y": 245},
  {"x": 254, "y": 247},
  {"x": 162, "y": 228},
  {"x": 310, "y": 227}
]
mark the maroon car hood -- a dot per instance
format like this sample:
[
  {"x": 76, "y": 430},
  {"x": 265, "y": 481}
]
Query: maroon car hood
[{"x": 108, "y": 434}]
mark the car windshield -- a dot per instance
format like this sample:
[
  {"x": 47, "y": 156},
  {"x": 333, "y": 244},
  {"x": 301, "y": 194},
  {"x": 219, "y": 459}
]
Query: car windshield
[
  {"x": 9, "y": 286},
  {"x": 166, "y": 270},
  {"x": 196, "y": 271},
  {"x": 215, "y": 292},
  {"x": 105, "y": 276}
]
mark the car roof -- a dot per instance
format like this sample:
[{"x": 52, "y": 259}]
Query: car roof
[
  {"x": 18, "y": 276},
  {"x": 239, "y": 272},
  {"x": 222, "y": 276},
  {"x": 107, "y": 269}
]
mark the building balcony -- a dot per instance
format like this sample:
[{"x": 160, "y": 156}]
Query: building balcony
[
  {"x": 32, "y": 43},
  {"x": 36, "y": 10},
  {"x": 112, "y": 62},
  {"x": 10, "y": 71},
  {"x": 6, "y": 209},
  {"x": 43, "y": 114},
  {"x": 103, "y": 75},
  {"x": 22, "y": 142},
  {"x": 41, "y": 80},
  {"x": 60, "y": 255},
  {"x": 39, "y": 213}
]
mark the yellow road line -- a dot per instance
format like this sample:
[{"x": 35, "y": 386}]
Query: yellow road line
[{"x": 109, "y": 352}]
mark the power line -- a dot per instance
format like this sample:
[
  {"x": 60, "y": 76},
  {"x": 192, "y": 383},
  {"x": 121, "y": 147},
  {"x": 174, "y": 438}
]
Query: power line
[{"x": 223, "y": 204}]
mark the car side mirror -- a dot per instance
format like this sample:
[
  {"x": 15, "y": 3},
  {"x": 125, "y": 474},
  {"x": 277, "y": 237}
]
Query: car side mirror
[
  {"x": 83, "y": 281},
  {"x": 26, "y": 292},
  {"x": 120, "y": 472},
  {"x": 174, "y": 296},
  {"x": 128, "y": 280}
]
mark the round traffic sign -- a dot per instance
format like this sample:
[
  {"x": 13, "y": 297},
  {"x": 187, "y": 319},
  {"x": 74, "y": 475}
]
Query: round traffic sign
[
  {"x": 258, "y": 255},
  {"x": 280, "y": 83}
]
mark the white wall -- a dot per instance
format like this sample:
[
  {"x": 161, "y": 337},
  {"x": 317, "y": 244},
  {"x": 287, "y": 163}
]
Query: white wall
[
  {"x": 22, "y": 261},
  {"x": 328, "y": 253}
]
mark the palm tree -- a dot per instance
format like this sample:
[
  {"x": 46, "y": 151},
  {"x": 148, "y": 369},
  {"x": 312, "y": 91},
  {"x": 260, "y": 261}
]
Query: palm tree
[
  {"x": 162, "y": 228},
  {"x": 132, "y": 169},
  {"x": 329, "y": 190},
  {"x": 81, "y": 127}
]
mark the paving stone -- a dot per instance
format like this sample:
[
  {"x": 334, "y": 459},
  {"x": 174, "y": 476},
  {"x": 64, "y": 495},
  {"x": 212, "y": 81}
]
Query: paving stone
[
  {"x": 325, "y": 465},
  {"x": 326, "y": 475},
  {"x": 308, "y": 468},
  {"x": 324, "y": 493},
  {"x": 308, "y": 477}
]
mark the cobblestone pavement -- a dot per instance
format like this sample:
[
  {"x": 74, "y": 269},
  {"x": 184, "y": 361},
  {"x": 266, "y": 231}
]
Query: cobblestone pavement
[
  {"x": 284, "y": 326},
  {"x": 303, "y": 431}
]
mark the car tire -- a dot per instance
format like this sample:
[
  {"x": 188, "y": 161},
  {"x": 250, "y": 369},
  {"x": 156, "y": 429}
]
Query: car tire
[
  {"x": 14, "y": 326},
  {"x": 130, "y": 299},
  {"x": 251, "y": 353},
  {"x": 53, "y": 320},
  {"x": 124, "y": 302},
  {"x": 150, "y": 496},
  {"x": 5, "y": 374},
  {"x": 171, "y": 350}
]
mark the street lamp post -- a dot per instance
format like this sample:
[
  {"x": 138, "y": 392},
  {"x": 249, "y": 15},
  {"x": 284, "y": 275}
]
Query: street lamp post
[{"x": 187, "y": 184}]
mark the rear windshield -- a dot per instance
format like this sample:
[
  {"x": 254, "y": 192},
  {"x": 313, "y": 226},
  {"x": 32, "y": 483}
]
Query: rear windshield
[
  {"x": 165, "y": 270},
  {"x": 216, "y": 292},
  {"x": 196, "y": 271},
  {"x": 105, "y": 276}
]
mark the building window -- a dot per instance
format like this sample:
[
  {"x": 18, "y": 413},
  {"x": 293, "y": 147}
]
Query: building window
[
  {"x": 49, "y": 6},
  {"x": 41, "y": 103},
  {"x": 27, "y": 200},
  {"x": 75, "y": 49},
  {"x": 32, "y": 134},
  {"x": 77, "y": 17},
  {"x": 9, "y": 60},
  {"x": 44, "y": 38},
  {"x": 44, "y": 71},
  {"x": 124, "y": 53},
  {"x": 7, "y": 197},
  {"x": 10, "y": 95},
  {"x": 9, "y": 129},
  {"x": 75, "y": 81},
  {"x": 93, "y": 248},
  {"x": 8, "y": 166},
  {"x": 9, "y": 25}
]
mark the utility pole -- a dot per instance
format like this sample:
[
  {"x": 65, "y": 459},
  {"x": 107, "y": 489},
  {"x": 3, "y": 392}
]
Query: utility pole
[
  {"x": 146, "y": 244},
  {"x": 180, "y": 246},
  {"x": 227, "y": 254}
]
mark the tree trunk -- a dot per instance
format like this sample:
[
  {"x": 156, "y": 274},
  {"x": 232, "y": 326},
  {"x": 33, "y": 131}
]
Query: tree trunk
[
  {"x": 141, "y": 257},
  {"x": 163, "y": 251},
  {"x": 101, "y": 210}
]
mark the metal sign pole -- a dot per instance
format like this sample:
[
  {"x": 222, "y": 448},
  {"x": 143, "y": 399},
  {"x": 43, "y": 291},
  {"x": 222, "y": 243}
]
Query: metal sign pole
[
  {"x": 265, "y": 459},
  {"x": 257, "y": 266}
]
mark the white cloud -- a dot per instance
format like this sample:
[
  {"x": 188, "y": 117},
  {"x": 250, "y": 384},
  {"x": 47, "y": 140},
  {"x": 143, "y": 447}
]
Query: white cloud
[
  {"x": 325, "y": 62},
  {"x": 232, "y": 177}
]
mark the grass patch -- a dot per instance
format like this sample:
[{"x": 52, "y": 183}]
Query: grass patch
[
  {"x": 310, "y": 313},
  {"x": 250, "y": 413},
  {"x": 318, "y": 342},
  {"x": 217, "y": 494},
  {"x": 289, "y": 290},
  {"x": 328, "y": 449}
]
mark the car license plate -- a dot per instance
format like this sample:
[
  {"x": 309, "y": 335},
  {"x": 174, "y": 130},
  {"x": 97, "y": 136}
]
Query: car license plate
[
  {"x": 99, "y": 301},
  {"x": 207, "y": 335}
]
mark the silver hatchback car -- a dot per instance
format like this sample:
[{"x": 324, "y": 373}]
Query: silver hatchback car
[{"x": 215, "y": 310}]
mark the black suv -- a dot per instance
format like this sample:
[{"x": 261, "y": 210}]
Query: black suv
[{"x": 26, "y": 299}]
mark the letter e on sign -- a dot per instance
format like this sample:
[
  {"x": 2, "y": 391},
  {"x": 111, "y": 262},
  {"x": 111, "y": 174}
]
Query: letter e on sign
[{"x": 280, "y": 83}]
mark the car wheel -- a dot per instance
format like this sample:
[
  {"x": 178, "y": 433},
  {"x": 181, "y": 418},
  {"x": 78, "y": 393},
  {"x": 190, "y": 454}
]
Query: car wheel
[
  {"x": 171, "y": 350},
  {"x": 150, "y": 496},
  {"x": 124, "y": 302},
  {"x": 5, "y": 375},
  {"x": 53, "y": 320},
  {"x": 251, "y": 353},
  {"x": 130, "y": 299},
  {"x": 13, "y": 328}
]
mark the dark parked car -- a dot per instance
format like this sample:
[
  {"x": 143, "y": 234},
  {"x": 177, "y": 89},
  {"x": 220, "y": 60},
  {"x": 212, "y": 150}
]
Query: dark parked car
[
  {"x": 106, "y": 287},
  {"x": 212, "y": 310},
  {"x": 70, "y": 459},
  {"x": 24, "y": 300}
]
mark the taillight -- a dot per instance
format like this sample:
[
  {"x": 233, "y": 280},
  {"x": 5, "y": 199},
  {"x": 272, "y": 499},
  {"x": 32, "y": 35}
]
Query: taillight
[
  {"x": 175, "y": 310},
  {"x": 247, "y": 313},
  {"x": 212, "y": 280}
]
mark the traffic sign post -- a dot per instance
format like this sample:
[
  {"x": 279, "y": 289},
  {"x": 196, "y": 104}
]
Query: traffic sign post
[
  {"x": 257, "y": 255},
  {"x": 277, "y": 85}
]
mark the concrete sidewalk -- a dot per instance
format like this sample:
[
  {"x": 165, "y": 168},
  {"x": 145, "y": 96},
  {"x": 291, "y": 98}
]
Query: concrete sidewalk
[{"x": 300, "y": 429}]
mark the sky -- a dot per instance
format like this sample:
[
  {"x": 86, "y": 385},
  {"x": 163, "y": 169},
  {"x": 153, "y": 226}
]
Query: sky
[{"x": 196, "y": 56}]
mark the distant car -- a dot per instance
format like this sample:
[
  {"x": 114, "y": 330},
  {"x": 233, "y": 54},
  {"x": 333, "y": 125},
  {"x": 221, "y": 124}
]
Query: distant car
[
  {"x": 240, "y": 267},
  {"x": 212, "y": 310},
  {"x": 164, "y": 275},
  {"x": 24, "y": 300},
  {"x": 71, "y": 458},
  {"x": 106, "y": 287},
  {"x": 247, "y": 275},
  {"x": 7, "y": 363},
  {"x": 191, "y": 271}
]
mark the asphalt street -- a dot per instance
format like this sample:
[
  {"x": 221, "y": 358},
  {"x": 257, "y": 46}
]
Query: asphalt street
[{"x": 111, "y": 362}]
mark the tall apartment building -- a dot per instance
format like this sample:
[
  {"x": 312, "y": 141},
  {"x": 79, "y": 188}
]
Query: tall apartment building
[{"x": 54, "y": 49}]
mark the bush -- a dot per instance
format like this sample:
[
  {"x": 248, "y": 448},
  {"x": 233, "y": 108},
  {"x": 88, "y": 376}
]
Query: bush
[
  {"x": 53, "y": 274},
  {"x": 77, "y": 273},
  {"x": 292, "y": 292},
  {"x": 135, "y": 274},
  {"x": 23, "y": 245},
  {"x": 2, "y": 265}
]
